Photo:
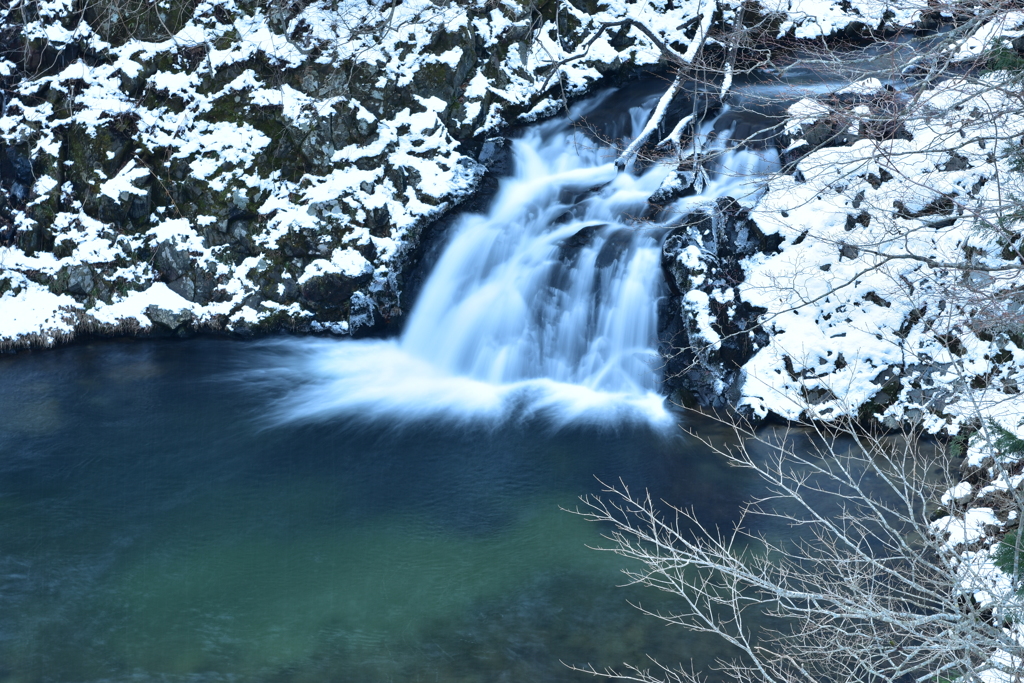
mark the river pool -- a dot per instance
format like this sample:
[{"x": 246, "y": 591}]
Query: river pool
[{"x": 155, "y": 526}]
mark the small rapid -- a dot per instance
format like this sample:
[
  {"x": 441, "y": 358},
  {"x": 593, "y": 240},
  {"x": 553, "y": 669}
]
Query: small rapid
[{"x": 548, "y": 303}]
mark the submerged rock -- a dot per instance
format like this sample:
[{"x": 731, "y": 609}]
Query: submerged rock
[{"x": 496, "y": 155}]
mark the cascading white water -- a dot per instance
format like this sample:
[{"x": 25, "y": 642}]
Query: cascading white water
[
  {"x": 549, "y": 285},
  {"x": 546, "y": 304}
]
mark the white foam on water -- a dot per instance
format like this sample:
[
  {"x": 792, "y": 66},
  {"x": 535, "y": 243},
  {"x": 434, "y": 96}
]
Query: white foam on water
[{"x": 378, "y": 380}]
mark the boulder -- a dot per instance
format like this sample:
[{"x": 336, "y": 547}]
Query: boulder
[{"x": 179, "y": 321}]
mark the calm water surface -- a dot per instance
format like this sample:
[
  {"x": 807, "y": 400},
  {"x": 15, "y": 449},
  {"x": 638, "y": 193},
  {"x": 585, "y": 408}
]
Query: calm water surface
[{"x": 153, "y": 526}]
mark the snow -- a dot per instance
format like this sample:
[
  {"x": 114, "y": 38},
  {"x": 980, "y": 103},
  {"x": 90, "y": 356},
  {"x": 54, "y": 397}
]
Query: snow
[
  {"x": 962, "y": 531},
  {"x": 178, "y": 232},
  {"x": 254, "y": 36},
  {"x": 134, "y": 305},
  {"x": 348, "y": 262},
  {"x": 864, "y": 86},
  {"x": 124, "y": 181},
  {"x": 696, "y": 303},
  {"x": 44, "y": 184},
  {"x": 842, "y": 285},
  {"x": 960, "y": 493},
  {"x": 38, "y": 312},
  {"x": 1004, "y": 27},
  {"x": 803, "y": 113}
]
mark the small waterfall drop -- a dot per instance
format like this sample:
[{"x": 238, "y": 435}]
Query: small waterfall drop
[
  {"x": 546, "y": 304},
  {"x": 556, "y": 282}
]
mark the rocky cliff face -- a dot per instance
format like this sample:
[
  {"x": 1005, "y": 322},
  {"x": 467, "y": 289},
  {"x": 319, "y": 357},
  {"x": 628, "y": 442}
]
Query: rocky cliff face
[
  {"x": 708, "y": 332},
  {"x": 230, "y": 165},
  {"x": 876, "y": 278}
]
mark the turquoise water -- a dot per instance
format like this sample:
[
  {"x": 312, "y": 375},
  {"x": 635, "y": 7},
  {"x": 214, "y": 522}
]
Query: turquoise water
[{"x": 153, "y": 526}]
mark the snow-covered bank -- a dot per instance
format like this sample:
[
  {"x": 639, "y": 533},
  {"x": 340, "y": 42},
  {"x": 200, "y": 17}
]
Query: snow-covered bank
[
  {"x": 239, "y": 168},
  {"x": 979, "y": 521},
  {"x": 894, "y": 289},
  {"x": 877, "y": 275},
  {"x": 274, "y": 165},
  {"x": 883, "y": 265}
]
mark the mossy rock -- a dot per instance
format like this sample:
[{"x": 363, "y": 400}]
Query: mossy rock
[
  {"x": 119, "y": 21},
  {"x": 329, "y": 296}
]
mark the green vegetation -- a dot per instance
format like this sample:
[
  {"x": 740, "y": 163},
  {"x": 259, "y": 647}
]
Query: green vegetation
[
  {"x": 1004, "y": 59},
  {"x": 1007, "y": 556}
]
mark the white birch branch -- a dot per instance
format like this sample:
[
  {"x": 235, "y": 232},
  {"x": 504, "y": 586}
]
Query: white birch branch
[{"x": 652, "y": 123}]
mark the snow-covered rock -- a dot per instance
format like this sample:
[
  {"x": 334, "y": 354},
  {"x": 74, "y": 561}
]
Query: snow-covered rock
[
  {"x": 272, "y": 166},
  {"x": 864, "y": 230},
  {"x": 283, "y": 136}
]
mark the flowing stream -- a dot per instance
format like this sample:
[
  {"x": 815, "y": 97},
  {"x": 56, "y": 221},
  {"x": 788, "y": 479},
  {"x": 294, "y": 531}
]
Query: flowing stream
[{"x": 378, "y": 510}]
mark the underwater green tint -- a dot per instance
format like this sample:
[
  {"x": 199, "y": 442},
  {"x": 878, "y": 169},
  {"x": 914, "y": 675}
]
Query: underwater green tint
[{"x": 153, "y": 527}]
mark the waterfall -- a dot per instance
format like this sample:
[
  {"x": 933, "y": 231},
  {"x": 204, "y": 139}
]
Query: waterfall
[{"x": 546, "y": 304}]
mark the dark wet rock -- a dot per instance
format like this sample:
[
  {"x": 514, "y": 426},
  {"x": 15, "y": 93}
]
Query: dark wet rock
[
  {"x": 582, "y": 238},
  {"x": 204, "y": 286},
  {"x": 80, "y": 280},
  {"x": 170, "y": 321},
  {"x": 496, "y": 155},
  {"x": 677, "y": 185},
  {"x": 706, "y": 333},
  {"x": 185, "y": 287},
  {"x": 15, "y": 172},
  {"x": 849, "y": 251},
  {"x": 329, "y": 296},
  {"x": 172, "y": 263},
  {"x": 614, "y": 247}
]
